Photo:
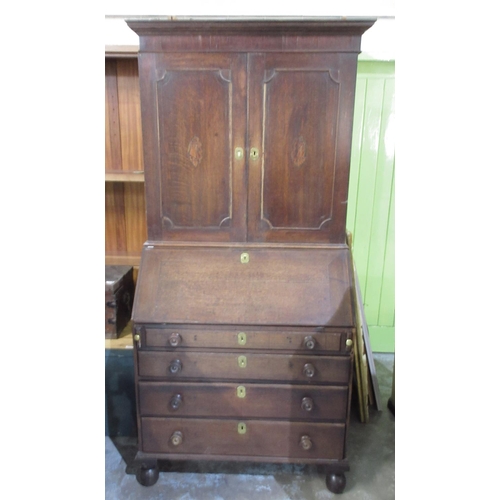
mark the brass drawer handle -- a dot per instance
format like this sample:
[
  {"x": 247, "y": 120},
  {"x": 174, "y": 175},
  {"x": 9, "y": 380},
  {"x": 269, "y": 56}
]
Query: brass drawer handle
[
  {"x": 310, "y": 342},
  {"x": 307, "y": 404},
  {"x": 175, "y": 340},
  {"x": 175, "y": 366},
  {"x": 176, "y": 401},
  {"x": 309, "y": 370},
  {"x": 306, "y": 442},
  {"x": 176, "y": 438}
]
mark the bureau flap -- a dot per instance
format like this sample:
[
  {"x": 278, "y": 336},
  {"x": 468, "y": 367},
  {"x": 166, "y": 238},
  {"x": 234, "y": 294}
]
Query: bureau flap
[{"x": 239, "y": 285}]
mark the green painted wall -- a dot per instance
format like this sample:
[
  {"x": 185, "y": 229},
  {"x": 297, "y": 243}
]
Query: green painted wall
[{"x": 370, "y": 214}]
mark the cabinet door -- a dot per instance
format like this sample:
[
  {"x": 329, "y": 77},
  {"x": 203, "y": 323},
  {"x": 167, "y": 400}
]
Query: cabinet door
[
  {"x": 300, "y": 120},
  {"x": 194, "y": 116}
]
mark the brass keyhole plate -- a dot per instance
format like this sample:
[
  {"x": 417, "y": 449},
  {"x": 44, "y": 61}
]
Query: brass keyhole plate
[
  {"x": 238, "y": 153},
  {"x": 241, "y": 391},
  {"x": 245, "y": 258},
  {"x": 242, "y": 338},
  {"x": 242, "y": 361},
  {"x": 242, "y": 428}
]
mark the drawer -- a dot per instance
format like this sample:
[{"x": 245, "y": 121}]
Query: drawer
[
  {"x": 242, "y": 437},
  {"x": 248, "y": 366},
  {"x": 298, "y": 402},
  {"x": 295, "y": 339}
]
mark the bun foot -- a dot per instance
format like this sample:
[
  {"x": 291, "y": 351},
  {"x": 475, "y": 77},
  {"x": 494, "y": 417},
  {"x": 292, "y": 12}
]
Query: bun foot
[
  {"x": 336, "y": 482},
  {"x": 147, "y": 475}
]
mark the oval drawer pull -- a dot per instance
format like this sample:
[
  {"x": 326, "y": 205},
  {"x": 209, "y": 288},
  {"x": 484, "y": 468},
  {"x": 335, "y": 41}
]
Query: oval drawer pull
[
  {"x": 307, "y": 404},
  {"x": 306, "y": 442},
  {"x": 176, "y": 438},
  {"x": 310, "y": 342},
  {"x": 175, "y": 366},
  {"x": 176, "y": 401},
  {"x": 309, "y": 370},
  {"x": 175, "y": 340}
]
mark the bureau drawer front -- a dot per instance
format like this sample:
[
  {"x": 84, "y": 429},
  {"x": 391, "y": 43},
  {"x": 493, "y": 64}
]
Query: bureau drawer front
[
  {"x": 248, "y": 366},
  {"x": 260, "y": 438},
  {"x": 294, "y": 339},
  {"x": 243, "y": 400}
]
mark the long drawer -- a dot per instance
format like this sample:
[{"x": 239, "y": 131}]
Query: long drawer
[
  {"x": 243, "y": 400},
  {"x": 295, "y": 339},
  {"x": 250, "y": 366},
  {"x": 245, "y": 438}
]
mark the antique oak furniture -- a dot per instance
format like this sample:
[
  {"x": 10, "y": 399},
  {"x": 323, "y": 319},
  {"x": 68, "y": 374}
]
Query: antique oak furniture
[{"x": 243, "y": 315}]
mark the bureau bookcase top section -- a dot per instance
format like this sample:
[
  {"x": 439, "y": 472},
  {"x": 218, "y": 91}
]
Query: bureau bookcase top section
[{"x": 237, "y": 117}]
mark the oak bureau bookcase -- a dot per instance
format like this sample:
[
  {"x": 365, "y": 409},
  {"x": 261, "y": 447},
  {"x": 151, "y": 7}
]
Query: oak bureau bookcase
[{"x": 243, "y": 314}]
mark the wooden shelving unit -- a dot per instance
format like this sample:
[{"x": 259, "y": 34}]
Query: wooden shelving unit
[
  {"x": 125, "y": 218},
  {"x": 125, "y": 208}
]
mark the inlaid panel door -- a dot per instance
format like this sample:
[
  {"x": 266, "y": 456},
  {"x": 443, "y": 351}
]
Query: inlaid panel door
[
  {"x": 194, "y": 117},
  {"x": 298, "y": 177}
]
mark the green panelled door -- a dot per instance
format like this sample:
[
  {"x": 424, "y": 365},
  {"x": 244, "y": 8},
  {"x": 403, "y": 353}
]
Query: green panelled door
[{"x": 370, "y": 214}]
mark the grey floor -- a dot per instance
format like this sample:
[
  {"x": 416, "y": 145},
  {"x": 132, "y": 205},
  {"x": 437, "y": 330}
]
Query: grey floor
[{"x": 370, "y": 451}]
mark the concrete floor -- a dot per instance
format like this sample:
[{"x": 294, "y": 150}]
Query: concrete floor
[{"x": 370, "y": 451}]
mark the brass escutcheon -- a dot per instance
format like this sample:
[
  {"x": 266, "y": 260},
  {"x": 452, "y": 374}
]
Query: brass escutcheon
[
  {"x": 242, "y": 428},
  {"x": 238, "y": 153},
  {"x": 244, "y": 258},
  {"x": 241, "y": 391},
  {"x": 242, "y": 338},
  {"x": 254, "y": 154},
  {"x": 242, "y": 361}
]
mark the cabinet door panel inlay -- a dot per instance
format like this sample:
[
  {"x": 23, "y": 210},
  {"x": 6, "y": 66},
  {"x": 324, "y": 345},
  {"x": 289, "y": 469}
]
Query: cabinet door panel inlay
[
  {"x": 195, "y": 151},
  {"x": 298, "y": 153},
  {"x": 194, "y": 141},
  {"x": 300, "y": 115}
]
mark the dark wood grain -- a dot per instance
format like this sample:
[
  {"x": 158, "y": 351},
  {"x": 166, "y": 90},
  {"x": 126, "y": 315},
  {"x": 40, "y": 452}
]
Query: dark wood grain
[
  {"x": 248, "y": 244},
  {"x": 277, "y": 286},
  {"x": 260, "y": 400},
  {"x": 297, "y": 127},
  {"x": 330, "y": 35},
  {"x": 262, "y": 438},
  {"x": 225, "y": 366},
  {"x": 194, "y": 112},
  {"x": 286, "y": 339}
]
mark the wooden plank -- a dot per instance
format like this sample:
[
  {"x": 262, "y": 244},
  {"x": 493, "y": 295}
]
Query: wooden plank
[
  {"x": 357, "y": 135},
  {"x": 123, "y": 259},
  {"x": 122, "y": 51},
  {"x": 127, "y": 72},
  {"x": 363, "y": 410},
  {"x": 367, "y": 176},
  {"x": 122, "y": 176},
  {"x": 370, "y": 213},
  {"x": 112, "y": 119},
  {"x": 381, "y": 205},
  {"x": 135, "y": 216},
  {"x": 387, "y": 292},
  {"x": 114, "y": 218},
  {"x": 368, "y": 351}
]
